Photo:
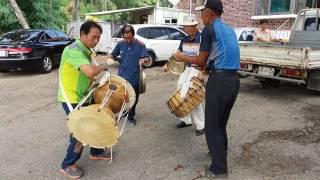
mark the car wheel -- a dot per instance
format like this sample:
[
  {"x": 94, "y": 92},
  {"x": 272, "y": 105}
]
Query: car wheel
[
  {"x": 46, "y": 64},
  {"x": 152, "y": 60}
]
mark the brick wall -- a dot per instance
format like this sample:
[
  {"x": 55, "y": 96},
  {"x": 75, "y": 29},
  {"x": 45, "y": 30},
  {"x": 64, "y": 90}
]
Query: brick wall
[
  {"x": 237, "y": 13},
  {"x": 275, "y": 23}
]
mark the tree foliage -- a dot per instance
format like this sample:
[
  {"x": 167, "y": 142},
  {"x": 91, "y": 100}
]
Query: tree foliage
[
  {"x": 39, "y": 14},
  {"x": 57, "y": 13}
]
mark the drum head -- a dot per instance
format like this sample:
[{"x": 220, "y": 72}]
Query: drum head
[
  {"x": 97, "y": 129},
  {"x": 100, "y": 93}
]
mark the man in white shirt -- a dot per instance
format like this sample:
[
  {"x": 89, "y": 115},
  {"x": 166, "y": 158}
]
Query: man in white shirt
[{"x": 263, "y": 34}]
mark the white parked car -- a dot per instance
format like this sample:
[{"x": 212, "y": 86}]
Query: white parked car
[{"x": 161, "y": 40}]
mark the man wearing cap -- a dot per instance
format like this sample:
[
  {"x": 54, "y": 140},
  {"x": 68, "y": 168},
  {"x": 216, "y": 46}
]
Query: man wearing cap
[
  {"x": 190, "y": 46},
  {"x": 75, "y": 76},
  {"x": 219, "y": 52}
]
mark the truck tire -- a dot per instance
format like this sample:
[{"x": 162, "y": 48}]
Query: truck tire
[{"x": 313, "y": 82}]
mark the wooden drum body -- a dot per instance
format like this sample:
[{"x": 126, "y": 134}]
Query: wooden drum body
[{"x": 181, "y": 107}]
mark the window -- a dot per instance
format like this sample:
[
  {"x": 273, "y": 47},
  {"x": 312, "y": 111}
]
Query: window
[
  {"x": 49, "y": 36},
  {"x": 246, "y": 35},
  {"x": 158, "y": 33},
  {"x": 143, "y": 32},
  {"x": 270, "y": 7},
  {"x": 62, "y": 35},
  {"x": 310, "y": 24},
  {"x": 170, "y": 21},
  {"x": 174, "y": 21},
  {"x": 45, "y": 37},
  {"x": 22, "y": 36},
  {"x": 175, "y": 34},
  {"x": 279, "y": 6},
  {"x": 262, "y": 7}
]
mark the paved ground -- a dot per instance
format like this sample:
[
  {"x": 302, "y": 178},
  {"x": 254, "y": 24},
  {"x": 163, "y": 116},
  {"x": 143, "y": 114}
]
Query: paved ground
[{"x": 274, "y": 134}]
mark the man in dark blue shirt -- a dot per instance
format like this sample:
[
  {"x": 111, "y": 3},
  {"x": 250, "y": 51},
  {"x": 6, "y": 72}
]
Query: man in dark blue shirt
[
  {"x": 219, "y": 52},
  {"x": 132, "y": 52}
]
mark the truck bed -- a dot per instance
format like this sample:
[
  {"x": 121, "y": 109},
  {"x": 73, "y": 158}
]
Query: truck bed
[{"x": 278, "y": 55}]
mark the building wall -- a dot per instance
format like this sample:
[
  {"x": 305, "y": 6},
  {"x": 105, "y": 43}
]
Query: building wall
[{"x": 237, "y": 13}]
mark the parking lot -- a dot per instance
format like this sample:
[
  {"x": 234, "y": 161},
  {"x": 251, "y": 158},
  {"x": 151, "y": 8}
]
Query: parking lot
[{"x": 273, "y": 133}]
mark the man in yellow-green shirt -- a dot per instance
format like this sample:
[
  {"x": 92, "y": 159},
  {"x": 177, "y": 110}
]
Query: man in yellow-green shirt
[{"x": 75, "y": 75}]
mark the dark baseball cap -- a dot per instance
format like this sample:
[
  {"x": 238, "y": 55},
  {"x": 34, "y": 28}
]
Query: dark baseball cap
[{"x": 215, "y": 5}]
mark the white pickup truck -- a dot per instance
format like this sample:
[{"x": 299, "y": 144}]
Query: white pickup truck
[{"x": 297, "y": 61}]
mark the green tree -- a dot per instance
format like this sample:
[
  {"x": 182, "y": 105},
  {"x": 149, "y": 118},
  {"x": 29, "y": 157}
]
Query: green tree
[
  {"x": 57, "y": 13},
  {"x": 39, "y": 14}
]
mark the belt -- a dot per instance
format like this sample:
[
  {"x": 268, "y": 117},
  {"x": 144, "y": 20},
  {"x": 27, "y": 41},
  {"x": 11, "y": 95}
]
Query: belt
[
  {"x": 192, "y": 65},
  {"x": 215, "y": 71}
]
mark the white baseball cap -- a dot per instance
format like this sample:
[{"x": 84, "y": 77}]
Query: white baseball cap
[{"x": 189, "y": 20}]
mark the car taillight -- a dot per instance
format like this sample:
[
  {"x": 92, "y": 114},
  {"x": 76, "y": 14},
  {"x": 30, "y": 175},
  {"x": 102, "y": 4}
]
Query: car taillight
[
  {"x": 22, "y": 50},
  {"x": 292, "y": 72}
]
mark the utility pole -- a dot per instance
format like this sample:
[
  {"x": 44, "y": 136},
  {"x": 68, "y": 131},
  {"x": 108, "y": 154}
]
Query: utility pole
[{"x": 76, "y": 10}]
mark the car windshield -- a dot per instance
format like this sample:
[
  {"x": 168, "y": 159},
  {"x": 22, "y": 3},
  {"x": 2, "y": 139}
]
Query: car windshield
[{"x": 21, "y": 36}]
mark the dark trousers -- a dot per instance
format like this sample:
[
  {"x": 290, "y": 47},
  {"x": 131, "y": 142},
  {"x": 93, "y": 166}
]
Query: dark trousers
[
  {"x": 132, "y": 111},
  {"x": 75, "y": 147},
  {"x": 221, "y": 92}
]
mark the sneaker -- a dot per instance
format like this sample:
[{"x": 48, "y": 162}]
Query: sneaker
[
  {"x": 199, "y": 132},
  {"x": 72, "y": 172},
  {"x": 182, "y": 124},
  {"x": 133, "y": 122},
  {"x": 104, "y": 156}
]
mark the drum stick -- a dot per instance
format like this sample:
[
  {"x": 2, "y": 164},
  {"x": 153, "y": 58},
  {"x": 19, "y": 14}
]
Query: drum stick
[
  {"x": 85, "y": 98},
  {"x": 95, "y": 62}
]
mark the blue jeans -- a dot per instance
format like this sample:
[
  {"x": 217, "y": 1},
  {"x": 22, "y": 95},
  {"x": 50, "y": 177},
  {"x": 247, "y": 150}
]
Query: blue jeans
[{"x": 75, "y": 147}]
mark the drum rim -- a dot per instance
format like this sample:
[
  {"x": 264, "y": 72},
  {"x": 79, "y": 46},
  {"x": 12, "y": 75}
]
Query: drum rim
[
  {"x": 130, "y": 91},
  {"x": 87, "y": 108}
]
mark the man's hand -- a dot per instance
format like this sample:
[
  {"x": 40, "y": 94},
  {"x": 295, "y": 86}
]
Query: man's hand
[
  {"x": 165, "y": 67},
  {"x": 102, "y": 78},
  {"x": 104, "y": 67},
  {"x": 201, "y": 76},
  {"x": 144, "y": 61},
  {"x": 178, "y": 56}
]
